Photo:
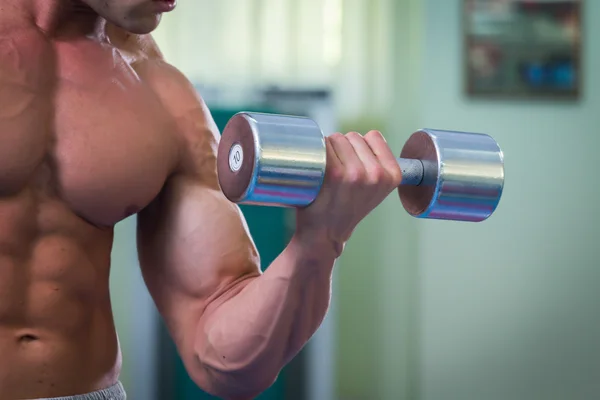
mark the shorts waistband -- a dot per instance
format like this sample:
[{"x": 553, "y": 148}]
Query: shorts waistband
[{"x": 115, "y": 392}]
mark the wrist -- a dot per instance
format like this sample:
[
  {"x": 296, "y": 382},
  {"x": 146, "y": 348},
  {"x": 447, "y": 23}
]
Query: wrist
[
  {"x": 304, "y": 259},
  {"x": 316, "y": 243}
]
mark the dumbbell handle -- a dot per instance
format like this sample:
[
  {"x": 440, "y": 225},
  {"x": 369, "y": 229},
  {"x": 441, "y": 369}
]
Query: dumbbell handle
[{"x": 417, "y": 172}]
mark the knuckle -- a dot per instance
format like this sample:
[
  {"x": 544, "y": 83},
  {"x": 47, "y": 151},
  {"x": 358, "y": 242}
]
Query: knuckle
[
  {"x": 378, "y": 142},
  {"x": 336, "y": 174},
  {"x": 377, "y": 175},
  {"x": 355, "y": 175},
  {"x": 354, "y": 137},
  {"x": 353, "y": 134},
  {"x": 396, "y": 176},
  {"x": 375, "y": 136}
]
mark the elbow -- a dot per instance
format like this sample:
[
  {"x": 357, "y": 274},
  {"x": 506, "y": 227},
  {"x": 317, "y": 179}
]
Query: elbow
[
  {"x": 231, "y": 388},
  {"x": 235, "y": 372},
  {"x": 230, "y": 383},
  {"x": 236, "y": 362}
]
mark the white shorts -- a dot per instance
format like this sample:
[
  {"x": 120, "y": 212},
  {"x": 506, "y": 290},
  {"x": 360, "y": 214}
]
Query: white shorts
[{"x": 115, "y": 392}]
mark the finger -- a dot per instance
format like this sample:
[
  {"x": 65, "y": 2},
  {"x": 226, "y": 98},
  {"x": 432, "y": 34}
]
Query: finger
[
  {"x": 345, "y": 151},
  {"x": 364, "y": 152},
  {"x": 333, "y": 161},
  {"x": 384, "y": 154}
]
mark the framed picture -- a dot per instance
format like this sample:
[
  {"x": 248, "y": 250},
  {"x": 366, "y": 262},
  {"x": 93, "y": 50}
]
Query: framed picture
[{"x": 523, "y": 48}]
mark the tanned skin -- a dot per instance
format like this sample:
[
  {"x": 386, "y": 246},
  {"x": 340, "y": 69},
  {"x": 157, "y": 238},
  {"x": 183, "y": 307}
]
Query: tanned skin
[{"x": 96, "y": 126}]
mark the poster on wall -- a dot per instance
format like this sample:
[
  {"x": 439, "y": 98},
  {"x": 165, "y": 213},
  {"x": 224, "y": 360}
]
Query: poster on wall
[{"x": 523, "y": 48}]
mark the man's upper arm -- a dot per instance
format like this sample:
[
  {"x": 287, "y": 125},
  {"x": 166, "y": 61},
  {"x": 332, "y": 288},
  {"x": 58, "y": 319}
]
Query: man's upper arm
[{"x": 194, "y": 246}]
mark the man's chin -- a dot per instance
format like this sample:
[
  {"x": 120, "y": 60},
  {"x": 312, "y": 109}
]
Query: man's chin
[{"x": 141, "y": 27}]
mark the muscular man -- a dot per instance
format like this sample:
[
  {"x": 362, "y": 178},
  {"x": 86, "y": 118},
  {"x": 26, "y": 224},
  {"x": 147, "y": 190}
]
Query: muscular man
[{"x": 95, "y": 126}]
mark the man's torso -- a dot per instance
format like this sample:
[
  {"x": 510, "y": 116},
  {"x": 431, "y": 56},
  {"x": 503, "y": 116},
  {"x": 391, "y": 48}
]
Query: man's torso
[{"x": 85, "y": 143}]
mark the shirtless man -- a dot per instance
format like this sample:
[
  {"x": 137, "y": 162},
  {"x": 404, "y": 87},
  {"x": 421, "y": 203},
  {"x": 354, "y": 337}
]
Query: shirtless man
[{"x": 96, "y": 126}]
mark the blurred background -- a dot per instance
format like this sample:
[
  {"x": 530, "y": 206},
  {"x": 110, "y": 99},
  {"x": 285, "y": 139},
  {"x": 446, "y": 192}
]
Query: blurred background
[{"x": 508, "y": 309}]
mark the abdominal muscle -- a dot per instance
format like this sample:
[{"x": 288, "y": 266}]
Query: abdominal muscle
[{"x": 57, "y": 335}]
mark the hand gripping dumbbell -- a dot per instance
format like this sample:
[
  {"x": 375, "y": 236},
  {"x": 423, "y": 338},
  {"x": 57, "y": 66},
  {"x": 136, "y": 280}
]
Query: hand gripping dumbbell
[{"x": 279, "y": 160}]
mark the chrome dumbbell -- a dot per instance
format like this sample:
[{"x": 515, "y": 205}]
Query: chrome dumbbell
[{"x": 279, "y": 160}]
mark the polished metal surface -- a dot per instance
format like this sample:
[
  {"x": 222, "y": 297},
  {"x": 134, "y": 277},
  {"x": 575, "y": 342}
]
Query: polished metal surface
[
  {"x": 289, "y": 162},
  {"x": 280, "y": 160},
  {"x": 412, "y": 171},
  {"x": 470, "y": 170},
  {"x": 417, "y": 172}
]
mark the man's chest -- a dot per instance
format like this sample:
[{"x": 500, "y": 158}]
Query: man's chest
[{"x": 93, "y": 135}]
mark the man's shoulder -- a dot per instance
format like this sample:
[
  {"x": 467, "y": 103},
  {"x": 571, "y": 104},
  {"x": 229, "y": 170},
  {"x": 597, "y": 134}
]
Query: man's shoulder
[
  {"x": 195, "y": 124},
  {"x": 143, "y": 54}
]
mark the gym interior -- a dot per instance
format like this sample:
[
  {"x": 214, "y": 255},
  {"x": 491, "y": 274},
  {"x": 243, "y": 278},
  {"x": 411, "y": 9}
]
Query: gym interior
[{"x": 422, "y": 309}]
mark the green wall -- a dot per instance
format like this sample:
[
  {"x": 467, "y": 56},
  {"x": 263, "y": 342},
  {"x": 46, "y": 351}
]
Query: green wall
[{"x": 510, "y": 307}]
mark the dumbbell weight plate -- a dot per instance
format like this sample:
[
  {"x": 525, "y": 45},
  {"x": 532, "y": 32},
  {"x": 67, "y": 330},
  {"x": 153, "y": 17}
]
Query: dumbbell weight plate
[
  {"x": 271, "y": 159},
  {"x": 235, "y": 170},
  {"x": 463, "y": 179}
]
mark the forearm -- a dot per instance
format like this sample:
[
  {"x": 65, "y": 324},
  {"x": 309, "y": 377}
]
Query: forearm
[{"x": 251, "y": 332}]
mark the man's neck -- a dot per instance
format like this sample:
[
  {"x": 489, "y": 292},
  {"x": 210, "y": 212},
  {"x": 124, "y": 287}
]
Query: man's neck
[{"x": 60, "y": 17}]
